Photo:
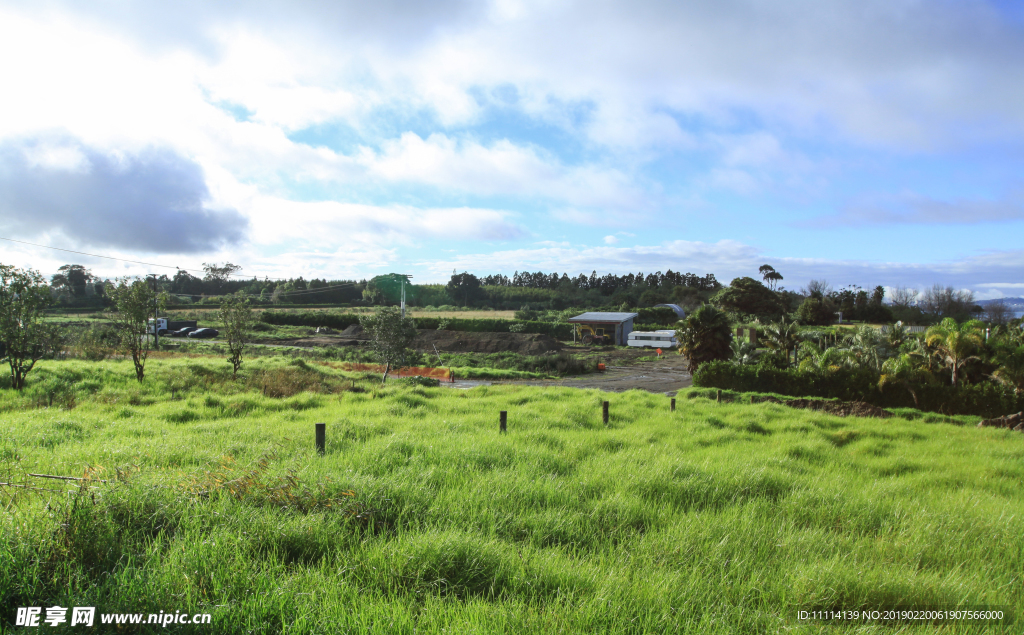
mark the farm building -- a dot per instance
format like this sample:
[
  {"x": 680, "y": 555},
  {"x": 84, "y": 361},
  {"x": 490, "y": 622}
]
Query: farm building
[{"x": 609, "y": 328}]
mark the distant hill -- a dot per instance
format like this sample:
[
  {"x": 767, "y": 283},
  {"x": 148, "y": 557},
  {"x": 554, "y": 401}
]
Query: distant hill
[{"x": 1008, "y": 301}]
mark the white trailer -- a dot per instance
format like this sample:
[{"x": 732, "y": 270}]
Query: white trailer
[{"x": 653, "y": 339}]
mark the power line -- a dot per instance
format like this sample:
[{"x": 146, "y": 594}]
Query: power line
[
  {"x": 137, "y": 262},
  {"x": 82, "y": 253}
]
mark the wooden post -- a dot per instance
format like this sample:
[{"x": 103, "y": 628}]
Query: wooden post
[
  {"x": 503, "y": 421},
  {"x": 753, "y": 336},
  {"x": 672, "y": 407},
  {"x": 718, "y": 396},
  {"x": 604, "y": 411},
  {"x": 321, "y": 438}
]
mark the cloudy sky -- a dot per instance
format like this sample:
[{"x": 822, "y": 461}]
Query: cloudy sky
[{"x": 869, "y": 142}]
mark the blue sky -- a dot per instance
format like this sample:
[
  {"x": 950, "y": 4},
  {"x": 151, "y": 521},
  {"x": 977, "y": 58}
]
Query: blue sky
[{"x": 863, "y": 143}]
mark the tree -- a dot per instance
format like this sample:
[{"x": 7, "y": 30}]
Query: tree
[
  {"x": 997, "y": 312},
  {"x": 877, "y": 295},
  {"x": 219, "y": 273},
  {"x": 390, "y": 336},
  {"x": 948, "y": 302},
  {"x": 705, "y": 335},
  {"x": 133, "y": 299},
  {"x": 904, "y": 371},
  {"x": 817, "y": 312},
  {"x": 1011, "y": 370},
  {"x": 955, "y": 342},
  {"x": 782, "y": 336},
  {"x": 238, "y": 320},
  {"x": 770, "y": 275},
  {"x": 25, "y": 337},
  {"x": 464, "y": 286},
  {"x": 904, "y": 297},
  {"x": 896, "y": 334},
  {"x": 746, "y": 295},
  {"x": 73, "y": 279},
  {"x": 818, "y": 289}
]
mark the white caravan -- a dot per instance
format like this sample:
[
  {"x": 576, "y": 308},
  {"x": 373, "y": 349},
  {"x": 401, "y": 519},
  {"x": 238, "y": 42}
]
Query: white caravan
[{"x": 653, "y": 339}]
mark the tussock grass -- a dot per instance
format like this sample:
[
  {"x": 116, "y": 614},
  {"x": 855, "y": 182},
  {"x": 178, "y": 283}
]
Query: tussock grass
[{"x": 420, "y": 517}]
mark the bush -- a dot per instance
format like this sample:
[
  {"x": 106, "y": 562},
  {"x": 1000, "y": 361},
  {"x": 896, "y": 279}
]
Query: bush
[
  {"x": 816, "y": 312},
  {"x": 860, "y": 384},
  {"x": 662, "y": 316},
  {"x": 341, "y": 321}
]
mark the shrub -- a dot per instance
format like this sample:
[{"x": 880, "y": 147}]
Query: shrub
[
  {"x": 342, "y": 321},
  {"x": 662, "y": 316},
  {"x": 860, "y": 384}
]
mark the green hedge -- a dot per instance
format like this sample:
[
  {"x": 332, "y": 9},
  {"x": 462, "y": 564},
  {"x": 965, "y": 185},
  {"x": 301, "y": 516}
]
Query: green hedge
[
  {"x": 330, "y": 319},
  {"x": 561, "y": 331},
  {"x": 985, "y": 399},
  {"x": 342, "y": 321},
  {"x": 663, "y": 316}
]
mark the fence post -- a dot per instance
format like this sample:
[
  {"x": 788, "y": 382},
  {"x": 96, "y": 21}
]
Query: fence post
[
  {"x": 503, "y": 421},
  {"x": 718, "y": 396},
  {"x": 672, "y": 407},
  {"x": 604, "y": 411},
  {"x": 321, "y": 438}
]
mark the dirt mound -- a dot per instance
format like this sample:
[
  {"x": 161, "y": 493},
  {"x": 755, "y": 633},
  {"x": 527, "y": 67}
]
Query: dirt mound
[
  {"x": 466, "y": 342},
  {"x": 838, "y": 408},
  {"x": 1013, "y": 422},
  {"x": 353, "y": 331},
  {"x": 463, "y": 341}
]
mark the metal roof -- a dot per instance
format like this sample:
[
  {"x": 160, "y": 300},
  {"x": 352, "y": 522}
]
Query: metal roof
[
  {"x": 675, "y": 307},
  {"x": 598, "y": 316}
]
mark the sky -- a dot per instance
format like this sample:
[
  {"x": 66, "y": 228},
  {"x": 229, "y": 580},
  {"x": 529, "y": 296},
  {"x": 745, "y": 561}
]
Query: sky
[{"x": 864, "y": 143}]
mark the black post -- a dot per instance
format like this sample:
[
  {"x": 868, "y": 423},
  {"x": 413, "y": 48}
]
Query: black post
[
  {"x": 503, "y": 421},
  {"x": 604, "y": 411},
  {"x": 321, "y": 438},
  {"x": 718, "y": 396},
  {"x": 673, "y": 406}
]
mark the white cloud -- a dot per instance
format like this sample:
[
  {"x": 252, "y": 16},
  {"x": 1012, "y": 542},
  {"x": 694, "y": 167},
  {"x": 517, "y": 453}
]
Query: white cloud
[
  {"x": 503, "y": 168},
  {"x": 327, "y": 224},
  {"x": 917, "y": 209},
  {"x": 610, "y": 240}
]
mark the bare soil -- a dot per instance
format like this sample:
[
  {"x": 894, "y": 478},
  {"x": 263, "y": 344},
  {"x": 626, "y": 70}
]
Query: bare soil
[
  {"x": 445, "y": 341},
  {"x": 626, "y": 368},
  {"x": 839, "y": 408}
]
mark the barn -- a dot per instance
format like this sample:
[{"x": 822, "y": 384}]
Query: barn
[{"x": 615, "y": 326}]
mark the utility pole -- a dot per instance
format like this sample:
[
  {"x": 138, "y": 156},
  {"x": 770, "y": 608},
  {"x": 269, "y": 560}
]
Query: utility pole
[
  {"x": 156, "y": 314},
  {"x": 404, "y": 278}
]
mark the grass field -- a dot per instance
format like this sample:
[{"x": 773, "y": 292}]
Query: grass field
[{"x": 422, "y": 518}]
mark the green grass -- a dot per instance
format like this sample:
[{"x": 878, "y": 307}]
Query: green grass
[{"x": 717, "y": 518}]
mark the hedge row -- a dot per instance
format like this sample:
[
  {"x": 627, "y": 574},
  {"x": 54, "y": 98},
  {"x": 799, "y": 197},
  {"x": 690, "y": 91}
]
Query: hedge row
[
  {"x": 342, "y": 321},
  {"x": 559, "y": 331},
  {"x": 861, "y": 384}
]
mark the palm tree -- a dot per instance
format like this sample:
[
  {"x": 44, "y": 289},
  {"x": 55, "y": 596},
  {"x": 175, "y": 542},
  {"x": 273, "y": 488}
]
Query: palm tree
[
  {"x": 897, "y": 334},
  {"x": 1011, "y": 372},
  {"x": 904, "y": 371},
  {"x": 743, "y": 353},
  {"x": 868, "y": 346},
  {"x": 955, "y": 342},
  {"x": 782, "y": 336},
  {"x": 704, "y": 335},
  {"x": 829, "y": 360}
]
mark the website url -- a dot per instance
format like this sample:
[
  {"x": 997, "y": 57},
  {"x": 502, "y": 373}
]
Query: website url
[
  {"x": 163, "y": 619},
  {"x": 86, "y": 616}
]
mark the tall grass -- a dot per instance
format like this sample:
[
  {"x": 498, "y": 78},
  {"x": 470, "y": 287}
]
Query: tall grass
[{"x": 421, "y": 518}]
